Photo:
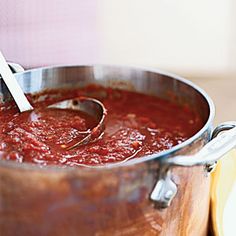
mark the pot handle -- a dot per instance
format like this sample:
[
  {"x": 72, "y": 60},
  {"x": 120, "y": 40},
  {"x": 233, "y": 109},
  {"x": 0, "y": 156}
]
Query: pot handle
[
  {"x": 213, "y": 150},
  {"x": 165, "y": 189}
]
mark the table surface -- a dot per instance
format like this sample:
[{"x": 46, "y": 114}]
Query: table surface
[{"x": 222, "y": 90}]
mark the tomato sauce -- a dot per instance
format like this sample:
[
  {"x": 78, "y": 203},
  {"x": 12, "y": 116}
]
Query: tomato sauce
[{"x": 136, "y": 125}]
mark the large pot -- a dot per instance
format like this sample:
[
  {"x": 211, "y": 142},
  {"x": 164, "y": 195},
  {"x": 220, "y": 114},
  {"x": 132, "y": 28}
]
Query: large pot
[{"x": 144, "y": 196}]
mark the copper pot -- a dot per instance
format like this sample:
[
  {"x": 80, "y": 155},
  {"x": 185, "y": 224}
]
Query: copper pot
[{"x": 144, "y": 196}]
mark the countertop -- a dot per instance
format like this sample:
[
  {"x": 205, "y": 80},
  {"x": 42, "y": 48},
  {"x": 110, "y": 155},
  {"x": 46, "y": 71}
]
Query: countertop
[{"x": 222, "y": 90}]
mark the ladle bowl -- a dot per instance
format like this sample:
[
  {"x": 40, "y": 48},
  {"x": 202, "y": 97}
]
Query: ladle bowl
[{"x": 90, "y": 106}]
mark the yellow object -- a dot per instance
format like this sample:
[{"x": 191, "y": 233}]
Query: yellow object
[{"x": 223, "y": 184}]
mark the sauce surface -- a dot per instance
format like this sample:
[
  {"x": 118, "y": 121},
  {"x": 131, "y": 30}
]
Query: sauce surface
[{"x": 136, "y": 125}]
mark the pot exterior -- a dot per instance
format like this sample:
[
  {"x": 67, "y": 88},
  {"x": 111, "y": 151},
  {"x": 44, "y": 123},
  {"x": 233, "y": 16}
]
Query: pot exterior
[
  {"x": 106, "y": 201},
  {"x": 111, "y": 202}
]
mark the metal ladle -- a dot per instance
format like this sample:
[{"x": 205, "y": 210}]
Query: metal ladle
[{"x": 87, "y": 105}]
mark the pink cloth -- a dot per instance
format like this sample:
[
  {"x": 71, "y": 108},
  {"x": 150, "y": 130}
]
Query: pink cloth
[{"x": 48, "y": 32}]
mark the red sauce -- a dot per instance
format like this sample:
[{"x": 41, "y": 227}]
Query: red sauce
[{"x": 136, "y": 125}]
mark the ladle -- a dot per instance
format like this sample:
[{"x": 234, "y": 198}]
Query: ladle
[{"x": 87, "y": 105}]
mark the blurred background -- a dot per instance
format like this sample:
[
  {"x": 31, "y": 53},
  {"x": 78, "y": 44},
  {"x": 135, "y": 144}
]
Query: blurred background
[
  {"x": 195, "y": 39},
  {"x": 190, "y": 37}
]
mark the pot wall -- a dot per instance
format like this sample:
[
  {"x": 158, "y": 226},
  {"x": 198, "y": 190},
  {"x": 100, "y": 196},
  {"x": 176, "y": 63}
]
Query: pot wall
[{"x": 101, "y": 203}]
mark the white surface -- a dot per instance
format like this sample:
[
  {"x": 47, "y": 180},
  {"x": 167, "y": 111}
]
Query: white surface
[{"x": 229, "y": 214}]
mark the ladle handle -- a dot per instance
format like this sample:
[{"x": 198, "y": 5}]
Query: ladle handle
[{"x": 14, "y": 88}]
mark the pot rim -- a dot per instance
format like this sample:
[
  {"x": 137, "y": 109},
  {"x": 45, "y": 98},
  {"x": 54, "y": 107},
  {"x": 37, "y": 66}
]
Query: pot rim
[{"x": 158, "y": 156}]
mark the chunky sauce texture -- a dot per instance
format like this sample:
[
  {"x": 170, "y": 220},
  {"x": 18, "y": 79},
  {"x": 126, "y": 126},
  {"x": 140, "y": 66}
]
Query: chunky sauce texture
[{"x": 135, "y": 125}]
